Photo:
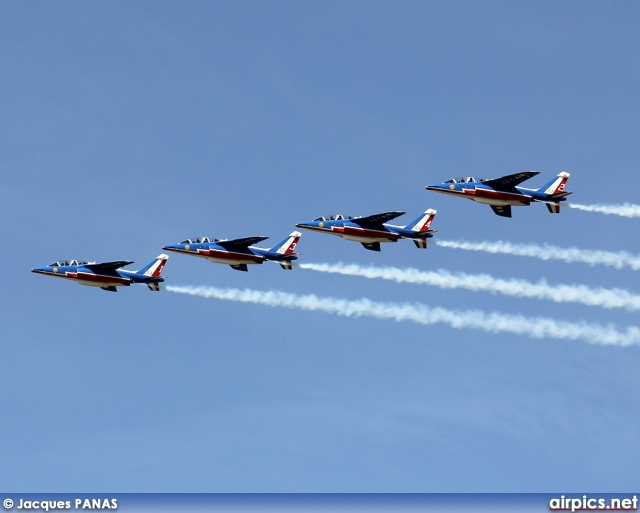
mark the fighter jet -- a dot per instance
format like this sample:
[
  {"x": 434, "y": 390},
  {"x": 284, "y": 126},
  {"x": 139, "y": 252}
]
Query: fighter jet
[
  {"x": 370, "y": 231},
  {"x": 107, "y": 275},
  {"x": 238, "y": 253},
  {"x": 503, "y": 193}
]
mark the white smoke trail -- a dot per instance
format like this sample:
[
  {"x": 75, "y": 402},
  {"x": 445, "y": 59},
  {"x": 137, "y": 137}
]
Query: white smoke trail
[
  {"x": 616, "y": 259},
  {"x": 624, "y": 210},
  {"x": 605, "y": 298},
  {"x": 491, "y": 322}
]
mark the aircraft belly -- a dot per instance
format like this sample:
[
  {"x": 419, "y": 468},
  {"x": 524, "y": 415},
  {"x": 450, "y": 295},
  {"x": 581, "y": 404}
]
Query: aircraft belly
[
  {"x": 222, "y": 257},
  {"x": 500, "y": 202},
  {"x": 368, "y": 239},
  {"x": 232, "y": 261},
  {"x": 100, "y": 280},
  {"x": 366, "y": 235},
  {"x": 497, "y": 198},
  {"x": 102, "y": 283}
]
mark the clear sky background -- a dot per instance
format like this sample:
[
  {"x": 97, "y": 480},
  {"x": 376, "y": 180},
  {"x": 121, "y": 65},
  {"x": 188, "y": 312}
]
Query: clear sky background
[{"x": 129, "y": 125}]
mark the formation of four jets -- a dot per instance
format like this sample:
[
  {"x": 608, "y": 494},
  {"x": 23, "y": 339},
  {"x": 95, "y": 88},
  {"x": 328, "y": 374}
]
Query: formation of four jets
[{"x": 499, "y": 193}]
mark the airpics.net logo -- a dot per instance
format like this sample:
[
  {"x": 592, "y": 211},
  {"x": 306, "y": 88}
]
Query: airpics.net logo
[{"x": 586, "y": 503}]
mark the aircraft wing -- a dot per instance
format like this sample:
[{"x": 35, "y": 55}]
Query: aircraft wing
[
  {"x": 239, "y": 244},
  {"x": 377, "y": 219},
  {"x": 510, "y": 181},
  {"x": 108, "y": 268}
]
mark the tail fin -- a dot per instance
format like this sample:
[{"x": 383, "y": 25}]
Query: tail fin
[
  {"x": 556, "y": 186},
  {"x": 422, "y": 223},
  {"x": 154, "y": 268},
  {"x": 287, "y": 246}
]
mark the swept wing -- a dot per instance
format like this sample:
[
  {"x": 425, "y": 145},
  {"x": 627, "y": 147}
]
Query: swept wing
[
  {"x": 510, "y": 181},
  {"x": 108, "y": 268},
  {"x": 240, "y": 244},
  {"x": 377, "y": 219}
]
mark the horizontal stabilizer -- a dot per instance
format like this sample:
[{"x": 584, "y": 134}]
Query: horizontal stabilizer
[
  {"x": 503, "y": 211},
  {"x": 554, "y": 208},
  {"x": 287, "y": 266},
  {"x": 154, "y": 286},
  {"x": 420, "y": 243},
  {"x": 240, "y": 267},
  {"x": 372, "y": 246},
  {"x": 110, "y": 289}
]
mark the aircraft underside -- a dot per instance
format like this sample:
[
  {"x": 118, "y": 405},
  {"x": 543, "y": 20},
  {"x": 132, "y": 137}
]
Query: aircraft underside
[
  {"x": 501, "y": 203},
  {"x": 367, "y": 239},
  {"x": 233, "y": 261},
  {"x": 102, "y": 284}
]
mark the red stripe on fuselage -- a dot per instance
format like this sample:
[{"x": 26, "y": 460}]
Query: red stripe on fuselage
[
  {"x": 99, "y": 278},
  {"x": 228, "y": 255},
  {"x": 363, "y": 232},
  {"x": 497, "y": 195}
]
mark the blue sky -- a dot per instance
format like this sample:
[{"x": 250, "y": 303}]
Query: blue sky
[{"x": 129, "y": 125}]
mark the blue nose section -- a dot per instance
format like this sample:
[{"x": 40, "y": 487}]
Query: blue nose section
[
  {"x": 43, "y": 270},
  {"x": 312, "y": 224}
]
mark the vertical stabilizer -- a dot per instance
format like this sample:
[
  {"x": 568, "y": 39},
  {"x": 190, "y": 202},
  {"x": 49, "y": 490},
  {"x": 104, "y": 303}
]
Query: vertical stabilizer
[
  {"x": 287, "y": 246},
  {"x": 422, "y": 223},
  {"x": 557, "y": 185},
  {"x": 154, "y": 268}
]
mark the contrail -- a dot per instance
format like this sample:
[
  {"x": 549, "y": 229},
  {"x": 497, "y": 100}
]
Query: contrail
[
  {"x": 491, "y": 322},
  {"x": 616, "y": 259},
  {"x": 604, "y": 298},
  {"x": 624, "y": 210}
]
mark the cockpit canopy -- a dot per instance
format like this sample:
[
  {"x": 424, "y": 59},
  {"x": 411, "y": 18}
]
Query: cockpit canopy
[
  {"x": 465, "y": 179},
  {"x": 198, "y": 240},
  {"x": 337, "y": 217},
  {"x": 65, "y": 263}
]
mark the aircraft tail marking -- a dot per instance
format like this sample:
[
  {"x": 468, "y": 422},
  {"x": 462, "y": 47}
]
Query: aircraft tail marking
[
  {"x": 556, "y": 186},
  {"x": 288, "y": 245},
  {"x": 422, "y": 223},
  {"x": 154, "y": 268}
]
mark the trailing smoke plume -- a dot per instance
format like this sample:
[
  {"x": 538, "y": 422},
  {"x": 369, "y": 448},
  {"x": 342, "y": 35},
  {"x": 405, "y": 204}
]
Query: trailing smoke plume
[
  {"x": 617, "y": 259},
  {"x": 535, "y": 327},
  {"x": 624, "y": 210},
  {"x": 605, "y": 298}
]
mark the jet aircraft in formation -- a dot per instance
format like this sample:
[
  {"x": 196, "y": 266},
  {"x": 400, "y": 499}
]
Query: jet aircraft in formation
[
  {"x": 238, "y": 253},
  {"x": 503, "y": 193},
  {"x": 370, "y": 231},
  {"x": 107, "y": 275},
  {"x": 499, "y": 193}
]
